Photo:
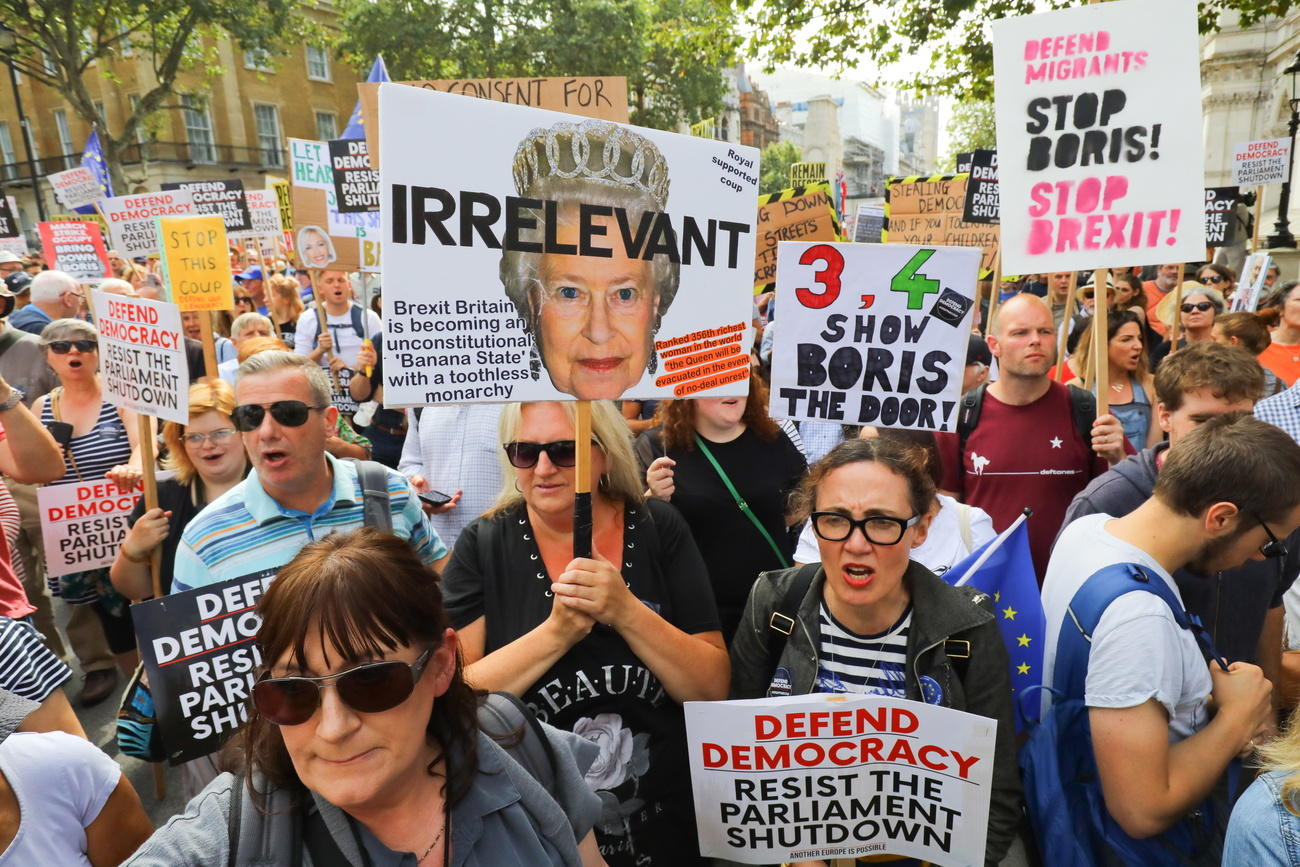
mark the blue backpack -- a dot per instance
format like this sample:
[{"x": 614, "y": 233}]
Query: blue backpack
[{"x": 1063, "y": 794}]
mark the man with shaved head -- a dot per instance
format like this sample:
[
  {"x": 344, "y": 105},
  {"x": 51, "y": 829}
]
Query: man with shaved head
[{"x": 1021, "y": 440}]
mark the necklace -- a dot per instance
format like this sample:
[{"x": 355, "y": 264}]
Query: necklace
[
  {"x": 436, "y": 841},
  {"x": 1119, "y": 387}
]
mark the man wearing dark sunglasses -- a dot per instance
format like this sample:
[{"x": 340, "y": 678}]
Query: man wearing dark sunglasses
[{"x": 297, "y": 491}]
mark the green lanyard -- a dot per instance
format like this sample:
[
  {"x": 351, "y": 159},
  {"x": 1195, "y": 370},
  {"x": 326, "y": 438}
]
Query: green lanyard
[{"x": 740, "y": 501}]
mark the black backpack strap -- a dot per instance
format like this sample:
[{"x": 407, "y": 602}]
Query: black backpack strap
[
  {"x": 512, "y": 724},
  {"x": 320, "y": 843},
  {"x": 373, "y": 477},
  {"x": 968, "y": 416},
  {"x": 234, "y": 820},
  {"x": 1083, "y": 407},
  {"x": 357, "y": 324},
  {"x": 782, "y": 621}
]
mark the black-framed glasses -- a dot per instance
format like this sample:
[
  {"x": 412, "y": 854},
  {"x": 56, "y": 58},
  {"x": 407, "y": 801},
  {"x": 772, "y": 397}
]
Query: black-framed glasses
[
  {"x": 63, "y": 347},
  {"x": 1200, "y": 306},
  {"x": 878, "y": 529},
  {"x": 216, "y": 437},
  {"x": 1211, "y": 278},
  {"x": 523, "y": 454},
  {"x": 290, "y": 413},
  {"x": 371, "y": 688},
  {"x": 1274, "y": 548},
  {"x": 243, "y": 299}
]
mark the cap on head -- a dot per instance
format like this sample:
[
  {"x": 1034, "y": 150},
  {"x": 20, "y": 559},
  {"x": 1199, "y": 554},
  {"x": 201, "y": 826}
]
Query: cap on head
[
  {"x": 6, "y": 257},
  {"x": 18, "y": 282},
  {"x": 253, "y": 273},
  {"x": 978, "y": 351}
]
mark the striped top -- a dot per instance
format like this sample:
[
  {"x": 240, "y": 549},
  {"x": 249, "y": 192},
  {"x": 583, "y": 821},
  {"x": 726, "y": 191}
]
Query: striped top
[
  {"x": 245, "y": 532},
  {"x": 105, "y": 446},
  {"x": 866, "y": 664},
  {"x": 27, "y": 667}
]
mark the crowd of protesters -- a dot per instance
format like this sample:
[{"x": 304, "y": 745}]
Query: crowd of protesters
[{"x": 367, "y": 740}]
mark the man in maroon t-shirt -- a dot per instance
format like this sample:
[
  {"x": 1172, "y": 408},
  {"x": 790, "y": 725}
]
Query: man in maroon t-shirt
[{"x": 1025, "y": 449}]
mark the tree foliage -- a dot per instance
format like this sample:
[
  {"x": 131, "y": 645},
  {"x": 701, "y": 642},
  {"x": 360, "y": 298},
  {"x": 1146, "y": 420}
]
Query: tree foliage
[
  {"x": 672, "y": 52},
  {"x": 62, "y": 42},
  {"x": 971, "y": 127},
  {"x": 774, "y": 166},
  {"x": 954, "y": 34}
]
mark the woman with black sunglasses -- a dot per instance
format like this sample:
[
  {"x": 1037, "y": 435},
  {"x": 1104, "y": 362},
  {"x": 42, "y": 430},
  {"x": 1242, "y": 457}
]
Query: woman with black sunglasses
[
  {"x": 1199, "y": 307},
  {"x": 607, "y": 646},
  {"x": 1219, "y": 278},
  {"x": 873, "y": 621},
  {"x": 365, "y": 747}
]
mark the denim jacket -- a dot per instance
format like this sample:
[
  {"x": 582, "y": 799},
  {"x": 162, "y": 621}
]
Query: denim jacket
[{"x": 1262, "y": 832}]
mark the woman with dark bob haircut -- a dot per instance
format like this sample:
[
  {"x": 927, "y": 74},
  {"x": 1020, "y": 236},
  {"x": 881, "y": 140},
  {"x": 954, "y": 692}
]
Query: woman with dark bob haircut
[{"x": 364, "y": 735}]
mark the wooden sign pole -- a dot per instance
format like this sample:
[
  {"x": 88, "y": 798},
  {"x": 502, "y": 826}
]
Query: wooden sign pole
[
  {"x": 1100, "y": 344},
  {"x": 1176, "y": 326},
  {"x": 1259, "y": 213},
  {"x": 209, "y": 343},
  {"x": 1065, "y": 326},
  {"x": 582, "y": 482},
  {"x": 146, "y": 436},
  {"x": 995, "y": 294},
  {"x": 322, "y": 328}
]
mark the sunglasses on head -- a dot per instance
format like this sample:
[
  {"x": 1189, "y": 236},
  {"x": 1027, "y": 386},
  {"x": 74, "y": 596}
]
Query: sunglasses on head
[
  {"x": 1201, "y": 306},
  {"x": 562, "y": 453},
  {"x": 290, "y": 413},
  {"x": 371, "y": 688},
  {"x": 63, "y": 347},
  {"x": 1212, "y": 278}
]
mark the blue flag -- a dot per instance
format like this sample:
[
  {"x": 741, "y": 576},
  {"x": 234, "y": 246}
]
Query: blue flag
[
  {"x": 356, "y": 128},
  {"x": 1004, "y": 569},
  {"x": 93, "y": 158}
]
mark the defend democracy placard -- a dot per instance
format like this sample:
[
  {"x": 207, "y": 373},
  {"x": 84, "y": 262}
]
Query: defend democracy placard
[
  {"x": 199, "y": 652},
  {"x": 545, "y": 256},
  {"x": 872, "y": 333},
  {"x": 1261, "y": 162},
  {"x": 982, "y": 188},
  {"x": 356, "y": 184},
  {"x": 223, "y": 198},
  {"x": 76, "y": 187},
  {"x": 132, "y": 220},
  {"x": 83, "y": 523},
  {"x": 1220, "y": 221},
  {"x": 1099, "y": 136},
  {"x": 142, "y": 356},
  {"x": 839, "y": 776}
]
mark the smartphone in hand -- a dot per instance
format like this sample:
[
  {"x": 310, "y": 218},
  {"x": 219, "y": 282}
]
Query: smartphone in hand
[{"x": 434, "y": 498}]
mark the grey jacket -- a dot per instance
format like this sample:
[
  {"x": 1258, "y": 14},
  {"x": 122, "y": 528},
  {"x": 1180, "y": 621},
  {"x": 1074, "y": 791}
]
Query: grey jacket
[
  {"x": 506, "y": 818},
  {"x": 944, "y": 618}
]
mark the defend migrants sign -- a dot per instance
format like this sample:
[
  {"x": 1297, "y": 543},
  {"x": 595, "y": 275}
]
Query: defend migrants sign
[
  {"x": 142, "y": 354},
  {"x": 325, "y": 236},
  {"x": 196, "y": 263},
  {"x": 799, "y": 213},
  {"x": 1099, "y": 136},
  {"x": 75, "y": 247},
  {"x": 76, "y": 188},
  {"x": 222, "y": 198},
  {"x": 199, "y": 652},
  {"x": 573, "y": 257},
  {"x": 133, "y": 220},
  {"x": 356, "y": 184},
  {"x": 83, "y": 524},
  {"x": 982, "y": 189},
  {"x": 1261, "y": 162},
  {"x": 1220, "y": 222},
  {"x": 821, "y": 776},
  {"x": 890, "y": 351},
  {"x": 928, "y": 211}
]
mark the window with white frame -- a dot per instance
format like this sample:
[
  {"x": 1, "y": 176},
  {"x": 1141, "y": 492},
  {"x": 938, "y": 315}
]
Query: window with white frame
[
  {"x": 327, "y": 125},
  {"x": 7, "y": 154},
  {"x": 198, "y": 129},
  {"x": 65, "y": 135},
  {"x": 318, "y": 63},
  {"x": 259, "y": 59},
  {"x": 267, "y": 119}
]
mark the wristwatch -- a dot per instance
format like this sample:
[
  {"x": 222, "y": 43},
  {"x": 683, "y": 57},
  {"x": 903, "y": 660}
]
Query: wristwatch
[{"x": 16, "y": 396}]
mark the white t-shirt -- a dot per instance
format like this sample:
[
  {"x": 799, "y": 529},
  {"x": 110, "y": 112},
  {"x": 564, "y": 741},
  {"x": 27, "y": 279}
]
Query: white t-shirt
[
  {"x": 943, "y": 547},
  {"x": 61, "y": 783},
  {"x": 346, "y": 341},
  {"x": 1138, "y": 650}
]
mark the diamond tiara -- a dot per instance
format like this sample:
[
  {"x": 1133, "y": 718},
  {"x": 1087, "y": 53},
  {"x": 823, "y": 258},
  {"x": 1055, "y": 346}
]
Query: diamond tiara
[{"x": 595, "y": 151}]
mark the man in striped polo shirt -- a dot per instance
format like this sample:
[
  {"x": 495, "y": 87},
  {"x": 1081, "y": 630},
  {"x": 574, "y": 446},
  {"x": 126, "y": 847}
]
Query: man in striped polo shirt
[{"x": 296, "y": 492}]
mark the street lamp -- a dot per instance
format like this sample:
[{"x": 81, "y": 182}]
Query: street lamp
[
  {"x": 1282, "y": 236},
  {"x": 9, "y": 47}
]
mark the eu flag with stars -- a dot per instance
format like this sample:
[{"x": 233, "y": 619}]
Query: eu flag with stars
[
  {"x": 1004, "y": 569},
  {"x": 378, "y": 72},
  {"x": 93, "y": 158}
]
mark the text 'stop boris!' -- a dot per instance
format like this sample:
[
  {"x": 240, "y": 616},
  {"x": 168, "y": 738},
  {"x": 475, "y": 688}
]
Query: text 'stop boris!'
[{"x": 547, "y": 256}]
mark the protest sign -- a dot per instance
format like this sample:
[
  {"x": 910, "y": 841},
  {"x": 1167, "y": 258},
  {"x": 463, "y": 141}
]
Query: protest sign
[
  {"x": 83, "y": 524},
  {"x": 707, "y": 128},
  {"x": 75, "y": 247},
  {"x": 982, "y": 189},
  {"x": 891, "y": 351},
  {"x": 603, "y": 97},
  {"x": 76, "y": 188},
  {"x": 324, "y": 236},
  {"x": 870, "y": 223},
  {"x": 821, "y": 776},
  {"x": 196, "y": 262},
  {"x": 963, "y": 162},
  {"x": 927, "y": 211},
  {"x": 264, "y": 215},
  {"x": 1250, "y": 289},
  {"x": 806, "y": 174},
  {"x": 356, "y": 184},
  {"x": 223, "y": 198},
  {"x": 515, "y": 273},
  {"x": 17, "y": 246},
  {"x": 133, "y": 220},
  {"x": 8, "y": 219},
  {"x": 1261, "y": 162},
  {"x": 1099, "y": 127},
  {"x": 142, "y": 356},
  {"x": 284, "y": 197},
  {"x": 799, "y": 213},
  {"x": 201, "y": 658},
  {"x": 1220, "y": 221}
]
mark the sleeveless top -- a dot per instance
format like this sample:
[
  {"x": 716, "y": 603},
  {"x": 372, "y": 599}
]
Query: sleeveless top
[
  {"x": 105, "y": 446},
  {"x": 1135, "y": 416}
]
